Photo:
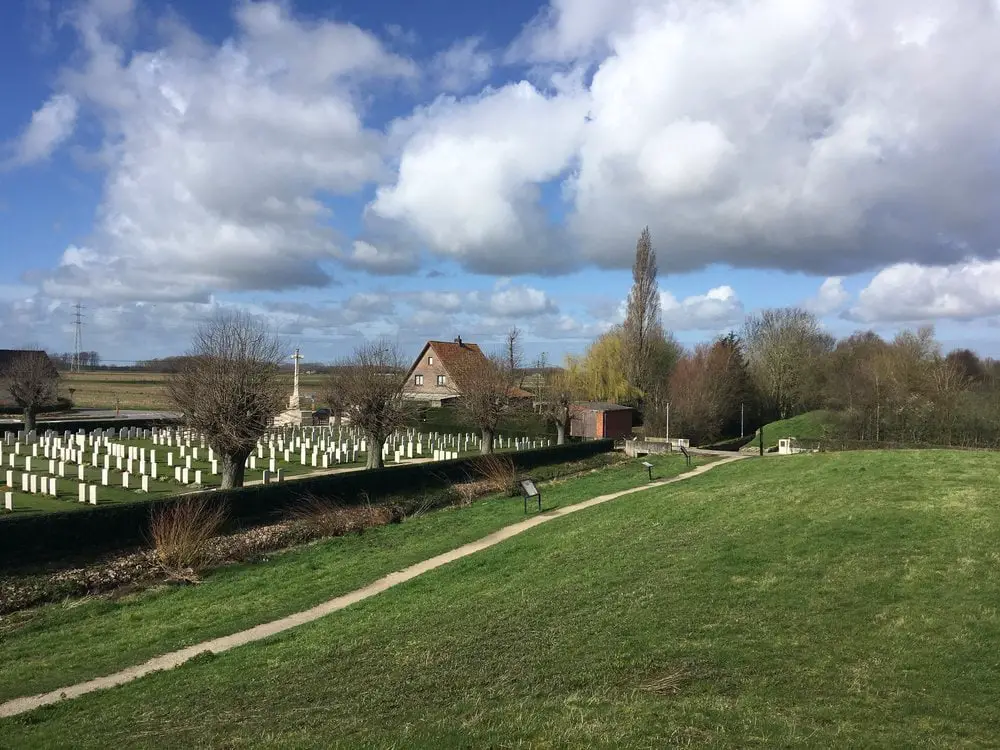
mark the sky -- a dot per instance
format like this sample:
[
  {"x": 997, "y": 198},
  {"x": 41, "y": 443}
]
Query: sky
[{"x": 419, "y": 171}]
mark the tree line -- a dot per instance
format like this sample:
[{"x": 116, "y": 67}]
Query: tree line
[{"x": 779, "y": 363}]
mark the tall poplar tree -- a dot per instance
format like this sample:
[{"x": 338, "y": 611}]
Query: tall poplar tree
[{"x": 642, "y": 318}]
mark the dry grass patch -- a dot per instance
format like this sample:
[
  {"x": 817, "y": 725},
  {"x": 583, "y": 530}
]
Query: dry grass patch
[
  {"x": 497, "y": 471},
  {"x": 181, "y": 534},
  {"x": 315, "y": 516}
]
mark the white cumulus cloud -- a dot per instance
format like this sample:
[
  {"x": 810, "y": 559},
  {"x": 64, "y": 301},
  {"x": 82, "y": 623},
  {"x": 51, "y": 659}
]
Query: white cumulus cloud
[
  {"x": 717, "y": 308},
  {"x": 469, "y": 172},
  {"x": 910, "y": 292},
  {"x": 217, "y": 154},
  {"x": 830, "y": 298}
]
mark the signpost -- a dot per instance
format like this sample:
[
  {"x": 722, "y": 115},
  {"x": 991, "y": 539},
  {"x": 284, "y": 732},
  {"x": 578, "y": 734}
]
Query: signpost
[
  {"x": 529, "y": 490},
  {"x": 687, "y": 456},
  {"x": 649, "y": 468}
]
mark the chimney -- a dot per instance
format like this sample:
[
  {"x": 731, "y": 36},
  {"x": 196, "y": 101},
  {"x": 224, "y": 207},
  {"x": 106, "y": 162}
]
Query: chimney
[{"x": 458, "y": 340}]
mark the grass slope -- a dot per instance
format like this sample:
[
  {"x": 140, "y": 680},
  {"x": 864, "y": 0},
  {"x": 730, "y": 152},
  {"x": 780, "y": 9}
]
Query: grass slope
[
  {"x": 58, "y": 645},
  {"x": 831, "y": 600},
  {"x": 808, "y": 426}
]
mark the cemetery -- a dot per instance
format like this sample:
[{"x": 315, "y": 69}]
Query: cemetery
[{"x": 55, "y": 472}]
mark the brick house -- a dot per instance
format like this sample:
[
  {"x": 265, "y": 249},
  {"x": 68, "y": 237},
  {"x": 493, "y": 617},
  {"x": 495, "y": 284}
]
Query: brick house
[
  {"x": 435, "y": 378},
  {"x": 598, "y": 419}
]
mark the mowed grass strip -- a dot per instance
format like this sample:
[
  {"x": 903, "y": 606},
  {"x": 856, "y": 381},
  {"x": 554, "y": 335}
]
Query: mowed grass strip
[
  {"x": 61, "y": 644},
  {"x": 836, "y": 600}
]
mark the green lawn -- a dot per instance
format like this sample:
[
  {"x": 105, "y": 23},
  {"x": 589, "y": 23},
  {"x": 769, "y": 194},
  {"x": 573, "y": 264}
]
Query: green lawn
[
  {"x": 808, "y": 426},
  {"x": 830, "y": 600},
  {"x": 60, "y": 644}
]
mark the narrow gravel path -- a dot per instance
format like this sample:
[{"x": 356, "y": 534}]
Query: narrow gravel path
[{"x": 218, "y": 645}]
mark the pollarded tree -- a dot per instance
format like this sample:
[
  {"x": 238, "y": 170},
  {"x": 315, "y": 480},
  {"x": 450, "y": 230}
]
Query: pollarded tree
[
  {"x": 333, "y": 393},
  {"x": 554, "y": 399},
  {"x": 229, "y": 387},
  {"x": 32, "y": 381},
  {"x": 488, "y": 388},
  {"x": 371, "y": 384}
]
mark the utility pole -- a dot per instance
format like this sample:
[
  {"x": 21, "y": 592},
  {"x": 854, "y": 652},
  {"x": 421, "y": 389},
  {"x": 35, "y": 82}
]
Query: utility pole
[
  {"x": 77, "y": 336},
  {"x": 741, "y": 419},
  {"x": 668, "y": 421}
]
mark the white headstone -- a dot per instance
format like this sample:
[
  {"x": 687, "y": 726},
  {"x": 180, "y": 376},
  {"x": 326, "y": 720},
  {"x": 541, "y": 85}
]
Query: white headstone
[
  {"x": 82, "y": 489},
  {"x": 93, "y": 494},
  {"x": 8, "y": 501},
  {"x": 145, "y": 483}
]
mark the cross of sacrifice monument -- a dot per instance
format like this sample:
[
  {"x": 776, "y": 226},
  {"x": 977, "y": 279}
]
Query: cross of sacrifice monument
[
  {"x": 293, "y": 400},
  {"x": 294, "y": 414}
]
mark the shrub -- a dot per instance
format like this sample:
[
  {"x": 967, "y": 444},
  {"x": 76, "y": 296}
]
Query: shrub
[
  {"x": 316, "y": 517},
  {"x": 181, "y": 533},
  {"x": 497, "y": 470}
]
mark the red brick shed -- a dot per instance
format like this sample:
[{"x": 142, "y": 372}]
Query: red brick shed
[{"x": 600, "y": 419}]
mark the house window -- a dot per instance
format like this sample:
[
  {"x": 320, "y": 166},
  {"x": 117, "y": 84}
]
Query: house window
[
  {"x": 418, "y": 379},
  {"x": 430, "y": 360},
  {"x": 440, "y": 379}
]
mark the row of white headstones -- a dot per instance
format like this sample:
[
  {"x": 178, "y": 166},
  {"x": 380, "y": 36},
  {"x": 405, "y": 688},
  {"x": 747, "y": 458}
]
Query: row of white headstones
[{"x": 320, "y": 447}]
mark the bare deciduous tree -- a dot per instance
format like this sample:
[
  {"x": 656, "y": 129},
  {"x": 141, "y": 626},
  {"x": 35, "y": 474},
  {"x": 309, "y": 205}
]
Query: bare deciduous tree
[
  {"x": 488, "y": 389},
  {"x": 781, "y": 347},
  {"x": 229, "y": 387},
  {"x": 333, "y": 393},
  {"x": 372, "y": 386},
  {"x": 554, "y": 398},
  {"x": 32, "y": 382}
]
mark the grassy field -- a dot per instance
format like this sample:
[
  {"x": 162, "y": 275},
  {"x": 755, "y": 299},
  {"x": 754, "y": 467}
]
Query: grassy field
[
  {"x": 59, "y": 644},
  {"x": 144, "y": 390},
  {"x": 809, "y": 426},
  {"x": 832, "y": 600}
]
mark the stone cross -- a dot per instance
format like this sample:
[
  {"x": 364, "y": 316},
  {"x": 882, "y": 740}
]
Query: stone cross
[{"x": 293, "y": 401}]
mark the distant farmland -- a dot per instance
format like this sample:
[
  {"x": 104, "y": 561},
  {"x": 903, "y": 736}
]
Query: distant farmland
[{"x": 144, "y": 390}]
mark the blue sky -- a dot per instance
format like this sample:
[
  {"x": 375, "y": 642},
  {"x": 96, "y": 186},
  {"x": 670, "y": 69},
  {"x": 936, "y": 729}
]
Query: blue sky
[{"x": 422, "y": 170}]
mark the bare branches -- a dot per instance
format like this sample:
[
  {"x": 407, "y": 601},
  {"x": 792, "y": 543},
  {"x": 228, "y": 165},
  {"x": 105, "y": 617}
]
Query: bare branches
[
  {"x": 780, "y": 345},
  {"x": 32, "y": 382},
  {"x": 229, "y": 387},
  {"x": 554, "y": 400},
  {"x": 489, "y": 389},
  {"x": 372, "y": 389}
]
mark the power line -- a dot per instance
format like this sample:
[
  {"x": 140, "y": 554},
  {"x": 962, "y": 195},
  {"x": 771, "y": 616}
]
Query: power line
[{"x": 77, "y": 336}]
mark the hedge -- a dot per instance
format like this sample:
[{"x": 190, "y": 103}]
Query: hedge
[{"x": 45, "y": 538}]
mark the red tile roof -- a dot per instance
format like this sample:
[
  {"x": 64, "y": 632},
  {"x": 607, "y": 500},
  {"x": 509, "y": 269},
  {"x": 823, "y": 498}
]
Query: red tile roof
[{"x": 459, "y": 359}]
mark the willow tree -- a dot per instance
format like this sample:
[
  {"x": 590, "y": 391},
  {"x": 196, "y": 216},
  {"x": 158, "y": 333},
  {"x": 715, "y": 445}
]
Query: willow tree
[{"x": 229, "y": 387}]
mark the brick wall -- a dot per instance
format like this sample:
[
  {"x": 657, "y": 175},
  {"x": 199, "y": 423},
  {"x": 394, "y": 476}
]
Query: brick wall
[{"x": 430, "y": 373}]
